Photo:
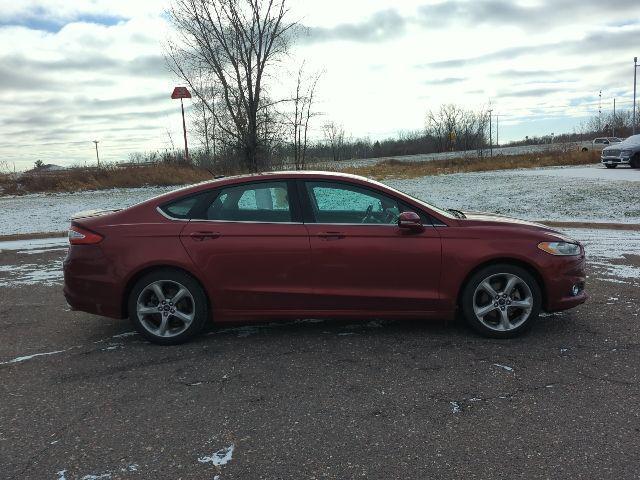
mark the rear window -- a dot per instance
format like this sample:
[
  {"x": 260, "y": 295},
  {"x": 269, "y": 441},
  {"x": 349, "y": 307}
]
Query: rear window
[
  {"x": 266, "y": 202},
  {"x": 183, "y": 207}
]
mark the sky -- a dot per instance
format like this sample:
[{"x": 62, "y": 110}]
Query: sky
[{"x": 74, "y": 71}]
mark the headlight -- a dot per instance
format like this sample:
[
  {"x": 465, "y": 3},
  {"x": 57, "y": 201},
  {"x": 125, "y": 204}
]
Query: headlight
[
  {"x": 626, "y": 153},
  {"x": 560, "y": 248}
]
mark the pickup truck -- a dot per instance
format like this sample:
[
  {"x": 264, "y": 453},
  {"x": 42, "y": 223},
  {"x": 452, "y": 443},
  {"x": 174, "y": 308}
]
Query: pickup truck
[
  {"x": 598, "y": 143},
  {"x": 624, "y": 153}
]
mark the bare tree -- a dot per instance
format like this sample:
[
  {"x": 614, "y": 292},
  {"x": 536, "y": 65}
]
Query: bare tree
[
  {"x": 299, "y": 118},
  {"x": 239, "y": 42},
  {"x": 334, "y": 135},
  {"x": 454, "y": 128}
]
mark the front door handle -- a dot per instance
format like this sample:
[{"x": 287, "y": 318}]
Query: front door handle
[
  {"x": 200, "y": 236},
  {"x": 332, "y": 235}
]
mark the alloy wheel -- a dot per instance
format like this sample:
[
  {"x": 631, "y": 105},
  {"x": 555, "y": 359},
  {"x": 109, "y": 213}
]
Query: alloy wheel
[
  {"x": 502, "y": 302},
  {"x": 165, "y": 308}
]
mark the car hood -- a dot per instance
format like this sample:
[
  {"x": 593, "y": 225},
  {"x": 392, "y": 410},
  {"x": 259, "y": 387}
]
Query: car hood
[
  {"x": 631, "y": 142},
  {"x": 494, "y": 219}
]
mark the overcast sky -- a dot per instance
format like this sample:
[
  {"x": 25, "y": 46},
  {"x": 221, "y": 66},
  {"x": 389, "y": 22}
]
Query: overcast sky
[{"x": 76, "y": 70}]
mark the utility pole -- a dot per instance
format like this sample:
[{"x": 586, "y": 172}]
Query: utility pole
[
  {"x": 613, "y": 124},
  {"x": 635, "y": 69},
  {"x": 600, "y": 112},
  {"x": 97, "y": 156},
  {"x": 490, "y": 134}
]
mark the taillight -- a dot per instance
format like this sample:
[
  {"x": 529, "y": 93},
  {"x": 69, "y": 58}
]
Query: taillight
[{"x": 80, "y": 236}]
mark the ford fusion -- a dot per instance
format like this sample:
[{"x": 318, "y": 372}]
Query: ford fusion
[{"x": 313, "y": 244}]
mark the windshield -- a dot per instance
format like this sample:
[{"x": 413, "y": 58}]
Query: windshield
[{"x": 438, "y": 210}]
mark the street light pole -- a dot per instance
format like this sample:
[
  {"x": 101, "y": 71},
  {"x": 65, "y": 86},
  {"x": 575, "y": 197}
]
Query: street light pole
[
  {"x": 635, "y": 69},
  {"x": 184, "y": 132},
  {"x": 97, "y": 156}
]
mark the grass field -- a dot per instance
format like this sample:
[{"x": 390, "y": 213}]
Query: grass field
[
  {"x": 109, "y": 176},
  {"x": 114, "y": 176},
  {"x": 398, "y": 169}
]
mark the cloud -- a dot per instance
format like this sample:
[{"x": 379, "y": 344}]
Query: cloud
[
  {"x": 532, "y": 92},
  {"x": 599, "y": 42},
  {"x": 445, "y": 81},
  {"x": 381, "y": 26},
  {"x": 542, "y": 15}
]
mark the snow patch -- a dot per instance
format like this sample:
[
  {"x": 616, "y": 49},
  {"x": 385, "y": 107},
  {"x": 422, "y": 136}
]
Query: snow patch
[
  {"x": 34, "y": 244},
  {"x": 31, "y": 274},
  {"x": 102, "y": 476},
  {"x": 219, "y": 458},
  {"x": 29, "y": 357},
  {"x": 504, "y": 367}
]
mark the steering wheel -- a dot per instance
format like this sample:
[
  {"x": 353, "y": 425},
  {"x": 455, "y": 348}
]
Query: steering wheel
[
  {"x": 390, "y": 217},
  {"x": 367, "y": 214}
]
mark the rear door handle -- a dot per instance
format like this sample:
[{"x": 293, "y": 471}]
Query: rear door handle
[
  {"x": 200, "y": 236},
  {"x": 332, "y": 235}
]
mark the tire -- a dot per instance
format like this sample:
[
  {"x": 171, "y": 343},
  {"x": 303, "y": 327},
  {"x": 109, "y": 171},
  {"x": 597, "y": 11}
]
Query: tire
[
  {"x": 169, "y": 323},
  {"x": 585, "y": 149},
  {"x": 635, "y": 161},
  {"x": 525, "y": 291},
  {"x": 610, "y": 166}
]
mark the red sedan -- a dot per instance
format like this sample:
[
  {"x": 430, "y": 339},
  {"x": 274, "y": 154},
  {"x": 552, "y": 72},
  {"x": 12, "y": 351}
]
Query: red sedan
[{"x": 314, "y": 244}]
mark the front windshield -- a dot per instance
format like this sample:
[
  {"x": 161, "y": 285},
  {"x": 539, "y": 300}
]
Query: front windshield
[{"x": 438, "y": 210}]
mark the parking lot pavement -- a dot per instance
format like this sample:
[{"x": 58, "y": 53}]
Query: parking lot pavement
[{"x": 84, "y": 398}]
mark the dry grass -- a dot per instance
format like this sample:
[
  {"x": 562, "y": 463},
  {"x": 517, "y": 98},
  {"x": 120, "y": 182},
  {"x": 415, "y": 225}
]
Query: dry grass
[
  {"x": 110, "y": 176},
  {"x": 398, "y": 169}
]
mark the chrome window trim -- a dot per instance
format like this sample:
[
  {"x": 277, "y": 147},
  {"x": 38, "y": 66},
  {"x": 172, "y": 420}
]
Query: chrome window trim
[
  {"x": 395, "y": 225},
  {"x": 245, "y": 221},
  {"x": 166, "y": 215}
]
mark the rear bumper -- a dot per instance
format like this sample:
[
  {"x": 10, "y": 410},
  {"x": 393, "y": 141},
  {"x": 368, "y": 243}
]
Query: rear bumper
[
  {"x": 89, "y": 284},
  {"x": 561, "y": 277}
]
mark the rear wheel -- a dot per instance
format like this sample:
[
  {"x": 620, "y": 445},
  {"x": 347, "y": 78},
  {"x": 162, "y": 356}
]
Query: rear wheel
[
  {"x": 168, "y": 307},
  {"x": 610, "y": 166},
  {"x": 501, "y": 301}
]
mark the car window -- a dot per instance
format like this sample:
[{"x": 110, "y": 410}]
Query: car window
[
  {"x": 342, "y": 203},
  {"x": 182, "y": 207},
  {"x": 254, "y": 202}
]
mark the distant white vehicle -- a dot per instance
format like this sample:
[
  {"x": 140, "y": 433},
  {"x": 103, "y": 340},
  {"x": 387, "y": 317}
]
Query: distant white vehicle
[
  {"x": 599, "y": 143},
  {"x": 625, "y": 153}
]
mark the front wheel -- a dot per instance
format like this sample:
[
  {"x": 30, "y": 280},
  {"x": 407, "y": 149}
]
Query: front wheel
[
  {"x": 610, "y": 166},
  {"x": 168, "y": 307},
  {"x": 501, "y": 301}
]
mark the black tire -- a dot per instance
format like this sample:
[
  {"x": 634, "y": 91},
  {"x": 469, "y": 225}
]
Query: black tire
[
  {"x": 585, "y": 149},
  {"x": 197, "y": 305},
  {"x": 635, "y": 161},
  {"x": 610, "y": 166},
  {"x": 470, "y": 291}
]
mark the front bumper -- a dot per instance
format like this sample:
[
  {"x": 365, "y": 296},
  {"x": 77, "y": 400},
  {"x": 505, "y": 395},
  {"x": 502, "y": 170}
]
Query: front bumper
[
  {"x": 615, "y": 160},
  {"x": 561, "y": 277}
]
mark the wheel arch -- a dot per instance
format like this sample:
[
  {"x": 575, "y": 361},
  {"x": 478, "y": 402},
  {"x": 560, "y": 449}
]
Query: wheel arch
[
  {"x": 151, "y": 268},
  {"x": 531, "y": 269}
]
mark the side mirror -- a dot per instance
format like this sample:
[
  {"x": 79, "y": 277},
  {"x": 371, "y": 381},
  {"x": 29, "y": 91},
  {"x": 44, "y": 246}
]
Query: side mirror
[{"x": 410, "y": 221}]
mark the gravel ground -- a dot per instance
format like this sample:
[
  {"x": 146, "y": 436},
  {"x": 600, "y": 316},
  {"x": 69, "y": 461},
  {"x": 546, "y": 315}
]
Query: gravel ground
[{"x": 84, "y": 398}]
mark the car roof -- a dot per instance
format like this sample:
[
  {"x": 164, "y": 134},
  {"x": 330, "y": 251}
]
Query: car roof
[{"x": 262, "y": 176}]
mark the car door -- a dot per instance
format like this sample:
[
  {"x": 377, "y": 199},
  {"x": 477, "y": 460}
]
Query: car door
[
  {"x": 252, "y": 248},
  {"x": 361, "y": 260}
]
